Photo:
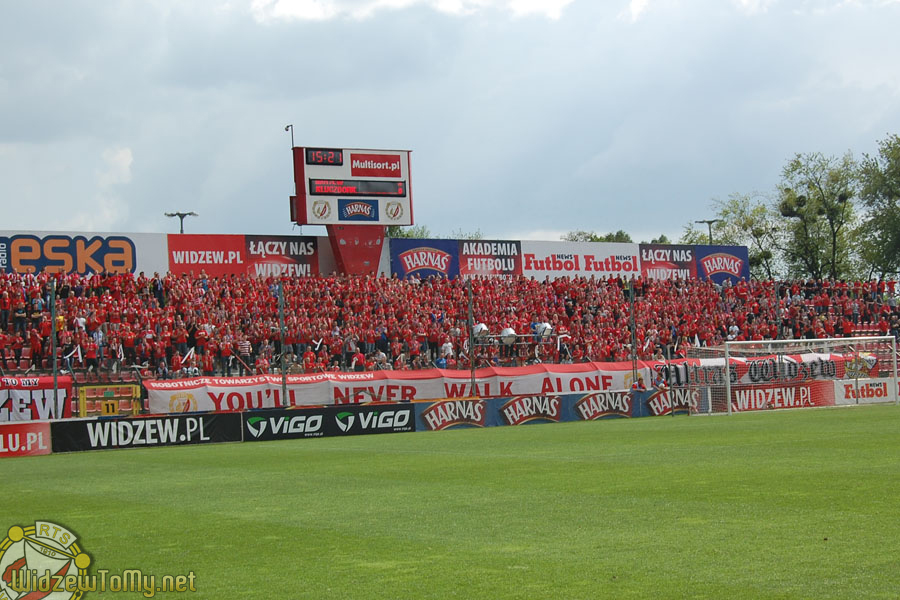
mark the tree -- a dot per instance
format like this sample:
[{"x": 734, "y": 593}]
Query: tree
[
  {"x": 815, "y": 199},
  {"x": 459, "y": 234},
  {"x": 879, "y": 235},
  {"x": 414, "y": 232},
  {"x": 590, "y": 236},
  {"x": 744, "y": 220}
]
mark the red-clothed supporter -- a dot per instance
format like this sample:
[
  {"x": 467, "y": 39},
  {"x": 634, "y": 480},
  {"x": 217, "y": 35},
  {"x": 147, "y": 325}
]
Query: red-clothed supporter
[{"x": 414, "y": 316}]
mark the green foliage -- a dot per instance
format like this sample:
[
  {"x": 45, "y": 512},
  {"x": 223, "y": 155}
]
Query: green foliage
[
  {"x": 878, "y": 239},
  {"x": 743, "y": 220},
  {"x": 412, "y": 232},
  {"x": 420, "y": 232},
  {"x": 591, "y": 236},
  {"x": 459, "y": 234},
  {"x": 815, "y": 200}
]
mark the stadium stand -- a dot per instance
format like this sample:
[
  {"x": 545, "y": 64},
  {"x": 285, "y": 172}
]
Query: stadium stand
[{"x": 109, "y": 326}]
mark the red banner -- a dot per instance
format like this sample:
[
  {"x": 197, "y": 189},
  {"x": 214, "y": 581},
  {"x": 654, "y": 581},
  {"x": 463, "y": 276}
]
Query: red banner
[
  {"x": 788, "y": 395},
  {"x": 662, "y": 261},
  {"x": 32, "y": 398},
  {"x": 24, "y": 439},
  {"x": 256, "y": 255}
]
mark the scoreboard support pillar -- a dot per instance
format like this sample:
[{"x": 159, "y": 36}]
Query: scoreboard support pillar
[{"x": 356, "y": 248}]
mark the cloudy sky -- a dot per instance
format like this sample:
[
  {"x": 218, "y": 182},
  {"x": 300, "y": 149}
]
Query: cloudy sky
[{"x": 526, "y": 118}]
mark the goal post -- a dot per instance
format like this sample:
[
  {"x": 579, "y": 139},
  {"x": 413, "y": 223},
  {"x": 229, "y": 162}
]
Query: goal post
[{"x": 793, "y": 373}]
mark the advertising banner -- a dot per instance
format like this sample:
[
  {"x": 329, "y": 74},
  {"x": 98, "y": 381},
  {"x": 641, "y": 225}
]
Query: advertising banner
[
  {"x": 264, "y": 391},
  {"x": 424, "y": 258},
  {"x": 602, "y": 405},
  {"x": 255, "y": 255},
  {"x": 76, "y": 435},
  {"x": 567, "y": 259},
  {"x": 661, "y": 261},
  {"x": 328, "y": 421},
  {"x": 267, "y": 425},
  {"x": 452, "y": 414},
  {"x": 519, "y": 410},
  {"x": 82, "y": 253},
  {"x": 489, "y": 258},
  {"x": 787, "y": 395},
  {"x": 32, "y": 399},
  {"x": 24, "y": 439},
  {"x": 722, "y": 263},
  {"x": 863, "y": 391}
]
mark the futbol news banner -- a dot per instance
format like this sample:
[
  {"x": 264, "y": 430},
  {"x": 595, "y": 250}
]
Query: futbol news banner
[{"x": 174, "y": 430}]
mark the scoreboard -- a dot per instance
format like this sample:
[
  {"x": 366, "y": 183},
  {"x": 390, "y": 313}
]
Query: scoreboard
[{"x": 346, "y": 185}]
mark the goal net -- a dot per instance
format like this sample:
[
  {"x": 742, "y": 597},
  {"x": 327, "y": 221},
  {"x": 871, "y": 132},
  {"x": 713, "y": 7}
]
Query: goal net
[{"x": 774, "y": 374}]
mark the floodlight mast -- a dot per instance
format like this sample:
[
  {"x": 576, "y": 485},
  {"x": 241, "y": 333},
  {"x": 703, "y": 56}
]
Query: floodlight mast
[{"x": 181, "y": 216}]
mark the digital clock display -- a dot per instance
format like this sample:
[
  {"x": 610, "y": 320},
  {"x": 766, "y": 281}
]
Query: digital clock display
[
  {"x": 357, "y": 187},
  {"x": 324, "y": 156}
]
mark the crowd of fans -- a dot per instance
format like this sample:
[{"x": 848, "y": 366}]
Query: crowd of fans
[{"x": 187, "y": 325}]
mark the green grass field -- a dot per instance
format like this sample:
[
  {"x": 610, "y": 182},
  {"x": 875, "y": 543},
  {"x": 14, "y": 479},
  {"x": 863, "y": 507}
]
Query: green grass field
[{"x": 794, "y": 504}]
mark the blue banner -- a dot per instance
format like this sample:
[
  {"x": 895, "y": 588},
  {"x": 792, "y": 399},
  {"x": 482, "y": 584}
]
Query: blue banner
[
  {"x": 522, "y": 410},
  {"x": 722, "y": 263},
  {"x": 424, "y": 258}
]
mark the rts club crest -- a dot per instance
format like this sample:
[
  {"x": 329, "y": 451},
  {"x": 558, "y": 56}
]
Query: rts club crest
[
  {"x": 38, "y": 561},
  {"x": 321, "y": 209}
]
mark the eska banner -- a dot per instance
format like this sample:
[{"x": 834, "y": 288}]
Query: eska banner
[
  {"x": 81, "y": 253},
  {"x": 255, "y": 255}
]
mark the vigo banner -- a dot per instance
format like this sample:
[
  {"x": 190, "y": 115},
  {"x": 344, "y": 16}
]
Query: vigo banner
[
  {"x": 424, "y": 258},
  {"x": 487, "y": 258},
  {"x": 722, "y": 263},
  {"x": 255, "y": 255},
  {"x": 660, "y": 261},
  {"x": 75, "y": 252},
  {"x": 24, "y": 439},
  {"x": 327, "y": 421},
  {"x": 176, "y": 430},
  {"x": 32, "y": 399},
  {"x": 569, "y": 259}
]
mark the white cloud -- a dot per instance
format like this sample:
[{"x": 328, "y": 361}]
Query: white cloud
[
  {"x": 755, "y": 6},
  {"x": 323, "y": 10},
  {"x": 118, "y": 167},
  {"x": 635, "y": 9}
]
